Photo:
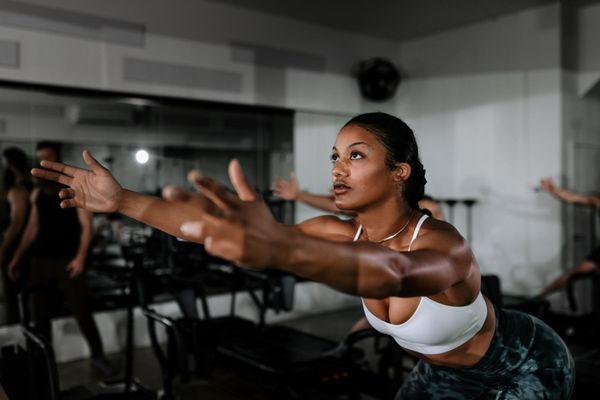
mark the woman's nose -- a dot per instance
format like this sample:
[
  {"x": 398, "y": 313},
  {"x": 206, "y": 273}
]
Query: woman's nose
[{"x": 339, "y": 170}]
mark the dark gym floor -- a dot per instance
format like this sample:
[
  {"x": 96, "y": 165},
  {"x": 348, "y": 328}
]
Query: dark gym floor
[
  {"x": 224, "y": 384},
  {"x": 236, "y": 383}
]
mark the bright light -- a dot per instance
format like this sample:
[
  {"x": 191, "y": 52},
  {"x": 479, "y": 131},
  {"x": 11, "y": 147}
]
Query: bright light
[{"x": 142, "y": 156}]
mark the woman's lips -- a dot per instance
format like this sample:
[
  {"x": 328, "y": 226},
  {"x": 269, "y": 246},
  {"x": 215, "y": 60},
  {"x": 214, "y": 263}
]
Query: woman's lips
[{"x": 340, "y": 189}]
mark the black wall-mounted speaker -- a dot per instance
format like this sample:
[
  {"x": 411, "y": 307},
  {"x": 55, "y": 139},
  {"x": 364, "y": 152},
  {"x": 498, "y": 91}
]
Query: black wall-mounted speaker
[{"x": 378, "y": 79}]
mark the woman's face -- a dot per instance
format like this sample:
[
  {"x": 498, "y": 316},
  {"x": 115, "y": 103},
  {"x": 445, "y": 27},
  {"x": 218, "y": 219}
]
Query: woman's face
[{"x": 360, "y": 174}]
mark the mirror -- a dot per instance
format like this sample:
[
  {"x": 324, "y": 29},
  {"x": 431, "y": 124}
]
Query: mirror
[{"x": 147, "y": 142}]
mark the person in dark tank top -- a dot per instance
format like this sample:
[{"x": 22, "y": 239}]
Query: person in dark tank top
[
  {"x": 14, "y": 211},
  {"x": 59, "y": 240}
]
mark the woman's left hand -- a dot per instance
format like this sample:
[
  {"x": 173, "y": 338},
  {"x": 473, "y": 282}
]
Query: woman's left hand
[{"x": 245, "y": 231}]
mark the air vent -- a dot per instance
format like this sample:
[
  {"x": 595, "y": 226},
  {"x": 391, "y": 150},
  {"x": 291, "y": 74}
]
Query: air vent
[
  {"x": 250, "y": 53},
  {"x": 100, "y": 115},
  {"x": 9, "y": 53},
  {"x": 51, "y": 19},
  {"x": 148, "y": 71}
]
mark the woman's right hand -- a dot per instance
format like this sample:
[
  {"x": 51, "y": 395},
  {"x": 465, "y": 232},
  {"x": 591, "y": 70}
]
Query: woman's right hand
[
  {"x": 96, "y": 190},
  {"x": 287, "y": 190},
  {"x": 548, "y": 185}
]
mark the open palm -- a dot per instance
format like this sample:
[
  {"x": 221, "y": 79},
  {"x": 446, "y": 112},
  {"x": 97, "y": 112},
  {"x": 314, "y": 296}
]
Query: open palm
[{"x": 96, "y": 190}]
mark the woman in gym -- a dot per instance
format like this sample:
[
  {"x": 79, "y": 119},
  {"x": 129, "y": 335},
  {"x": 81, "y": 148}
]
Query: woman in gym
[
  {"x": 417, "y": 277},
  {"x": 14, "y": 212}
]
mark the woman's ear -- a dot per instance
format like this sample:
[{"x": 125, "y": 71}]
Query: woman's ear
[{"x": 402, "y": 172}]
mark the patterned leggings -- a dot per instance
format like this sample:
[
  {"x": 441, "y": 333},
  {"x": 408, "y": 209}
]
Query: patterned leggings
[{"x": 526, "y": 360}]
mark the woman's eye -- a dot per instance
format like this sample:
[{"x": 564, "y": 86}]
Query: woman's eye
[
  {"x": 355, "y": 156},
  {"x": 333, "y": 157}
]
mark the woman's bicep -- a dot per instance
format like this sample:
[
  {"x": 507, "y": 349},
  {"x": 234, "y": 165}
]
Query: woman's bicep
[
  {"x": 325, "y": 227},
  {"x": 428, "y": 272},
  {"x": 440, "y": 260}
]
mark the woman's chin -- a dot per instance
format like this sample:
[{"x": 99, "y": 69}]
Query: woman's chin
[{"x": 344, "y": 205}]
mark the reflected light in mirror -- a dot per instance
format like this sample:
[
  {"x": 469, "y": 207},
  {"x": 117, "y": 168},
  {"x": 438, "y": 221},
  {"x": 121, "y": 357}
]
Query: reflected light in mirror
[{"x": 142, "y": 156}]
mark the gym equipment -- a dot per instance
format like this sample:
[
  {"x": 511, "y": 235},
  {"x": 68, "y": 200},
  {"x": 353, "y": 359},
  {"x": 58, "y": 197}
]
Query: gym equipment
[
  {"x": 304, "y": 365},
  {"x": 43, "y": 379},
  {"x": 492, "y": 289},
  {"x": 468, "y": 203}
]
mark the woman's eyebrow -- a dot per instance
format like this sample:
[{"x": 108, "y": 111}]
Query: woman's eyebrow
[{"x": 353, "y": 144}]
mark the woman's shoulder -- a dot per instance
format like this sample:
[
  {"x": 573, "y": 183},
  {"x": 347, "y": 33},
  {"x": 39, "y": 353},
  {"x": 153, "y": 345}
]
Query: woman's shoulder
[
  {"x": 438, "y": 234},
  {"x": 329, "y": 227}
]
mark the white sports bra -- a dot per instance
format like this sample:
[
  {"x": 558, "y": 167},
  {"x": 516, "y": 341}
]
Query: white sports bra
[{"x": 434, "y": 328}]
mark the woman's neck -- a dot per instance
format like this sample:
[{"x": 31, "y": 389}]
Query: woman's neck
[{"x": 384, "y": 219}]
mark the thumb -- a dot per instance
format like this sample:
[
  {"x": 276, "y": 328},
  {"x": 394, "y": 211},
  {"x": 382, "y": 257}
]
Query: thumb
[
  {"x": 293, "y": 177},
  {"x": 239, "y": 182},
  {"x": 93, "y": 163}
]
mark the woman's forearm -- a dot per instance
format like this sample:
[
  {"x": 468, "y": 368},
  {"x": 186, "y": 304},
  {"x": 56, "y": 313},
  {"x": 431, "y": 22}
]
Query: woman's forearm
[
  {"x": 11, "y": 235},
  {"x": 573, "y": 197},
  {"x": 26, "y": 240},
  {"x": 364, "y": 269},
  {"x": 163, "y": 215},
  {"x": 84, "y": 242},
  {"x": 322, "y": 202}
]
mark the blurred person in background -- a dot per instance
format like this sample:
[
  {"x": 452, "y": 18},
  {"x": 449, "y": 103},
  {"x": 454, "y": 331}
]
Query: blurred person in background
[
  {"x": 59, "y": 240},
  {"x": 16, "y": 189}
]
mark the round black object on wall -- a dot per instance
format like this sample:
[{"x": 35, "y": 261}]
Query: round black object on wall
[{"x": 378, "y": 79}]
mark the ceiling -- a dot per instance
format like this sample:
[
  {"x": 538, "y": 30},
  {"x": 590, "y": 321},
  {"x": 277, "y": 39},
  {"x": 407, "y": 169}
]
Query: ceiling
[{"x": 391, "y": 19}]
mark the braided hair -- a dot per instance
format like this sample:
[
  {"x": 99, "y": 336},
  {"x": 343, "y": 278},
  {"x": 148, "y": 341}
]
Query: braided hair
[{"x": 401, "y": 145}]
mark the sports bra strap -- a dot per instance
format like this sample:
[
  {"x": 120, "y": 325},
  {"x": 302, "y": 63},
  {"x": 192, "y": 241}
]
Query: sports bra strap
[
  {"x": 358, "y": 232},
  {"x": 417, "y": 229},
  {"x": 414, "y": 236}
]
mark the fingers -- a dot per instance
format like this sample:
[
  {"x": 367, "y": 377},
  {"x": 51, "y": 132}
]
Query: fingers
[
  {"x": 66, "y": 193},
  {"x": 67, "y": 196},
  {"x": 293, "y": 177},
  {"x": 51, "y": 175},
  {"x": 239, "y": 182},
  {"x": 69, "y": 203},
  {"x": 93, "y": 164},
  {"x": 175, "y": 193},
  {"x": 221, "y": 237},
  {"x": 59, "y": 167},
  {"x": 194, "y": 176},
  {"x": 217, "y": 194},
  {"x": 197, "y": 231}
]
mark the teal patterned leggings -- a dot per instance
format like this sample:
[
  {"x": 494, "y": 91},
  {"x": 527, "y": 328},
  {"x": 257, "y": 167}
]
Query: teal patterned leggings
[{"x": 526, "y": 360}]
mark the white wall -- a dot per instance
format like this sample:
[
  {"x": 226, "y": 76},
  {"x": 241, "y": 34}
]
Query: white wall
[
  {"x": 217, "y": 31},
  {"x": 485, "y": 104},
  {"x": 314, "y": 136}
]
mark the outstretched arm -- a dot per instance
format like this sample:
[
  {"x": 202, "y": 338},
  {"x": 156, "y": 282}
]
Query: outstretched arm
[
  {"x": 96, "y": 190},
  {"x": 247, "y": 234},
  {"x": 289, "y": 190},
  {"x": 568, "y": 196},
  {"x": 584, "y": 268}
]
